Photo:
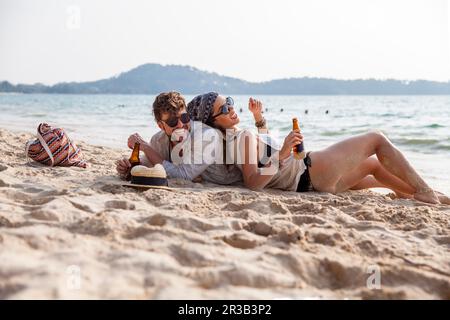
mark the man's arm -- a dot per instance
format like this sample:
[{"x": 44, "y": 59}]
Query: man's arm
[
  {"x": 152, "y": 155},
  {"x": 182, "y": 171}
]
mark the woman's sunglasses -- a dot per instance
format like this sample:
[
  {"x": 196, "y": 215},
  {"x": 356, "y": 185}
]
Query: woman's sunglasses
[
  {"x": 225, "y": 109},
  {"x": 173, "y": 121}
]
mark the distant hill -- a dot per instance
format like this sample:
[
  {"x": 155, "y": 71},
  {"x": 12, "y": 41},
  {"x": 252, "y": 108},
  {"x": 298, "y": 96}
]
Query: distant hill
[{"x": 155, "y": 78}]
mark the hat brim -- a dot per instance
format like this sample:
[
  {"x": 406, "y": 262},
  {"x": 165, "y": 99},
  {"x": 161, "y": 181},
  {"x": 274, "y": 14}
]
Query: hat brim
[{"x": 145, "y": 186}]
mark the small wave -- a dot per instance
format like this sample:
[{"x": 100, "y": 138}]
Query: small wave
[
  {"x": 397, "y": 115},
  {"x": 442, "y": 147},
  {"x": 359, "y": 131},
  {"x": 34, "y": 115},
  {"x": 134, "y": 125},
  {"x": 418, "y": 142},
  {"x": 430, "y": 149},
  {"x": 285, "y": 128},
  {"x": 389, "y": 115},
  {"x": 333, "y": 133},
  {"x": 434, "y": 126},
  {"x": 422, "y": 145}
]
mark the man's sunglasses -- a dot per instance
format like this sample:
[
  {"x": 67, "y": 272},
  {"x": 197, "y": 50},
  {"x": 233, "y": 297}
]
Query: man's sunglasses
[
  {"x": 225, "y": 109},
  {"x": 173, "y": 121}
]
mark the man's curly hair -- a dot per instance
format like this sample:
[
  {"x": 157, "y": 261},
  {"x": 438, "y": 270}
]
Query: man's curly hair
[{"x": 168, "y": 102}]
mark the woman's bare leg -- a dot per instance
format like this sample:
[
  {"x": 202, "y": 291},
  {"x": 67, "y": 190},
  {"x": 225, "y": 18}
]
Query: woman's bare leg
[
  {"x": 370, "y": 182},
  {"x": 386, "y": 178},
  {"x": 381, "y": 178},
  {"x": 371, "y": 174},
  {"x": 366, "y": 183},
  {"x": 331, "y": 166}
]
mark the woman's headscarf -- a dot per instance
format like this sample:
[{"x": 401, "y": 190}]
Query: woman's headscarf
[{"x": 201, "y": 107}]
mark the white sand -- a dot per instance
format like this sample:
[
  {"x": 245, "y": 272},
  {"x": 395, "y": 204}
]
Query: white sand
[{"x": 72, "y": 233}]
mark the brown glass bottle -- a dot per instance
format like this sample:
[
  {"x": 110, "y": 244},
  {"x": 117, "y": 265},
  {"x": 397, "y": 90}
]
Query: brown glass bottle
[
  {"x": 134, "y": 159},
  {"x": 299, "y": 150}
]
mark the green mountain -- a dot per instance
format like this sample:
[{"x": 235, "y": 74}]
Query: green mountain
[{"x": 155, "y": 78}]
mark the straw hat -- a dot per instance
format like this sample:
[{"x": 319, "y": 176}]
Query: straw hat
[{"x": 146, "y": 178}]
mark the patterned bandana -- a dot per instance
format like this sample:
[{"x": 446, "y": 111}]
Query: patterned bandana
[{"x": 201, "y": 107}]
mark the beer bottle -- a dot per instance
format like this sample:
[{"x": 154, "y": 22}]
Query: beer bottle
[
  {"x": 299, "y": 150},
  {"x": 134, "y": 159}
]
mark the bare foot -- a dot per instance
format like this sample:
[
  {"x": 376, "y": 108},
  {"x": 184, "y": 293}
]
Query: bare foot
[
  {"x": 401, "y": 195},
  {"x": 442, "y": 197},
  {"x": 426, "y": 195}
]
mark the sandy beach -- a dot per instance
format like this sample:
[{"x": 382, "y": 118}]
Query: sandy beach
[{"x": 74, "y": 233}]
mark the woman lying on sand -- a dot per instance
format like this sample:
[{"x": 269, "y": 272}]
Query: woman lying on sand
[{"x": 348, "y": 164}]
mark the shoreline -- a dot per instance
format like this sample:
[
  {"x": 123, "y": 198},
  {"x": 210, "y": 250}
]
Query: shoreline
[{"x": 73, "y": 233}]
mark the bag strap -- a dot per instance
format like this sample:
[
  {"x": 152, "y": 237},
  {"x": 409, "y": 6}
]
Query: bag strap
[
  {"x": 45, "y": 146},
  {"x": 27, "y": 148},
  {"x": 69, "y": 141}
]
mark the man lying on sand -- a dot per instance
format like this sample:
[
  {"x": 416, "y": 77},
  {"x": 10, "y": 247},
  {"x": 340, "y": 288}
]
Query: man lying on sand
[
  {"x": 176, "y": 135},
  {"x": 349, "y": 164}
]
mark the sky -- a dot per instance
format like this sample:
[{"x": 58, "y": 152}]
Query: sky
[{"x": 50, "y": 41}]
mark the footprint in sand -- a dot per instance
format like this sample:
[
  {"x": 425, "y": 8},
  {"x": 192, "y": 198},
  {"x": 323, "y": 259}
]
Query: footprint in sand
[
  {"x": 45, "y": 215},
  {"x": 443, "y": 240},
  {"x": 3, "y": 183},
  {"x": 368, "y": 248},
  {"x": 326, "y": 239},
  {"x": 42, "y": 196},
  {"x": 283, "y": 231},
  {"x": 157, "y": 220},
  {"x": 5, "y": 222},
  {"x": 261, "y": 206},
  {"x": 40, "y": 201},
  {"x": 98, "y": 226},
  {"x": 260, "y": 228},
  {"x": 306, "y": 219},
  {"x": 9, "y": 289},
  {"x": 288, "y": 234},
  {"x": 339, "y": 275},
  {"x": 243, "y": 240},
  {"x": 119, "y": 204}
]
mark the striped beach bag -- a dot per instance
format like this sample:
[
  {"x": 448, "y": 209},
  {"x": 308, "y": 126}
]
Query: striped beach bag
[{"x": 54, "y": 148}]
